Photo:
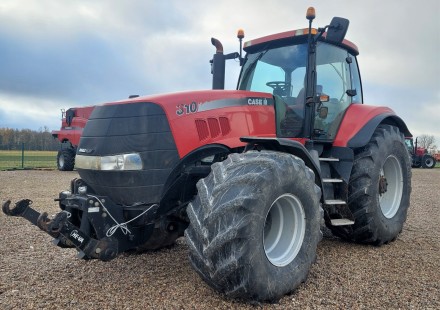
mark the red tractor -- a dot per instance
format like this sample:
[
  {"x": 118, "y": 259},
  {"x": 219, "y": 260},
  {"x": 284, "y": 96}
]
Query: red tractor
[
  {"x": 247, "y": 175},
  {"x": 419, "y": 155},
  {"x": 73, "y": 122}
]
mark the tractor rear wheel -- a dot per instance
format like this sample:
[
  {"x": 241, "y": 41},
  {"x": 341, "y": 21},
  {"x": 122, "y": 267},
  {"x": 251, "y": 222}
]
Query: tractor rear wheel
[
  {"x": 66, "y": 159},
  {"x": 255, "y": 225},
  {"x": 417, "y": 165},
  {"x": 379, "y": 189},
  {"x": 428, "y": 161}
]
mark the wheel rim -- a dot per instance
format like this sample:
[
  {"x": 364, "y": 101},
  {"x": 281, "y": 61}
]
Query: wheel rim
[
  {"x": 284, "y": 230},
  {"x": 390, "y": 186},
  {"x": 429, "y": 162},
  {"x": 61, "y": 161}
]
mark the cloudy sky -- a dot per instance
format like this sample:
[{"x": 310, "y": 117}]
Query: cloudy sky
[{"x": 58, "y": 54}]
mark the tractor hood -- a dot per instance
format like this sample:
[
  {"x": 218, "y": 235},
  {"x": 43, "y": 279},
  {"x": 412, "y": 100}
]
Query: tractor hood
[
  {"x": 237, "y": 112},
  {"x": 129, "y": 148}
]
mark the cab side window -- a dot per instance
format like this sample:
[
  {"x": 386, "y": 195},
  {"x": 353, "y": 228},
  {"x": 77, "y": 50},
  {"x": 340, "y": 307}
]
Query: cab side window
[
  {"x": 334, "y": 77},
  {"x": 356, "y": 81}
]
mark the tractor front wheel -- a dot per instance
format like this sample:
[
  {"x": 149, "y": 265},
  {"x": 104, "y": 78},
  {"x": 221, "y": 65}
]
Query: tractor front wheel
[
  {"x": 66, "y": 159},
  {"x": 428, "y": 161},
  {"x": 379, "y": 189},
  {"x": 255, "y": 225}
]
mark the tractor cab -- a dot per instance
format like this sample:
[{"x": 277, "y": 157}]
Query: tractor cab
[
  {"x": 278, "y": 64},
  {"x": 410, "y": 145}
]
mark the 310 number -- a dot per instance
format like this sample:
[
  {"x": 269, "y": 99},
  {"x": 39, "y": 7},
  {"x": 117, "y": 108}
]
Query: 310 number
[{"x": 186, "y": 108}]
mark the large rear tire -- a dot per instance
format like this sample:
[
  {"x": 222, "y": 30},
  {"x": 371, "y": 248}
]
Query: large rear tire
[
  {"x": 66, "y": 159},
  {"x": 379, "y": 189},
  {"x": 428, "y": 161},
  {"x": 255, "y": 225}
]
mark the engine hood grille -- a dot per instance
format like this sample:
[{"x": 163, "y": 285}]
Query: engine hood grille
[{"x": 140, "y": 127}]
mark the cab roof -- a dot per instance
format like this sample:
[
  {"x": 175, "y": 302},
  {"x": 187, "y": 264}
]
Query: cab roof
[{"x": 299, "y": 34}]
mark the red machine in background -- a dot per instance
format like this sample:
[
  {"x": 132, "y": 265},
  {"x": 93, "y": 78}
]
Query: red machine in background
[
  {"x": 73, "y": 122},
  {"x": 420, "y": 156}
]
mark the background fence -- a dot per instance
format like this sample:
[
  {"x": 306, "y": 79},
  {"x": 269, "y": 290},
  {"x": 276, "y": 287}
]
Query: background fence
[{"x": 23, "y": 159}]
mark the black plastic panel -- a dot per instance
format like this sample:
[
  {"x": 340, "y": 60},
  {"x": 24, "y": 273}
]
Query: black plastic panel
[
  {"x": 126, "y": 196},
  {"x": 117, "y": 179},
  {"x": 130, "y": 128}
]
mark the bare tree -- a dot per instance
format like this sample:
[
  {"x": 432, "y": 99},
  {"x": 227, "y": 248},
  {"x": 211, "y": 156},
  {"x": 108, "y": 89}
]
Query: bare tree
[{"x": 426, "y": 141}]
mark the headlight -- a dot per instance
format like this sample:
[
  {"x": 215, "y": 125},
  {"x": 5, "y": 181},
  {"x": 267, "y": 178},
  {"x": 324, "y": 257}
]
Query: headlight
[{"x": 114, "y": 162}]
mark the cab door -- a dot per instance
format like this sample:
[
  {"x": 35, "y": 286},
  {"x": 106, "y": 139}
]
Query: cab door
[{"x": 338, "y": 78}]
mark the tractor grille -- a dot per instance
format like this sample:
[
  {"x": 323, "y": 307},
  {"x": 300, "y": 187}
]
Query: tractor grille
[
  {"x": 140, "y": 127},
  {"x": 202, "y": 129},
  {"x": 212, "y": 127}
]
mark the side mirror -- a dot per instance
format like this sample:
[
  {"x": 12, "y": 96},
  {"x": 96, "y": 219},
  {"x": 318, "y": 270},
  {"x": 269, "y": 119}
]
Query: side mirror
[
  {"x": 337, "y": 30},
  {"x": 323, "y": 112}
]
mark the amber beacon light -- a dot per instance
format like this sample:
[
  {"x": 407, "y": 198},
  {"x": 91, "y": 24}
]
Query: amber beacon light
[{"x": 310, "y": 13}]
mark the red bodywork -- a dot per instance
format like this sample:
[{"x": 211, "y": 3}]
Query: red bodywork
[
  {"x": 420, "y": 151},
  {"x": 355, "y": 118},
  {"x": 72, "y": 133}
]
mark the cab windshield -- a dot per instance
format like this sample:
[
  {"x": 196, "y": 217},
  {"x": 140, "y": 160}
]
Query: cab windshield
[
  {"x": 282, "y": 70},
  {"x": 286, "y": 65}
]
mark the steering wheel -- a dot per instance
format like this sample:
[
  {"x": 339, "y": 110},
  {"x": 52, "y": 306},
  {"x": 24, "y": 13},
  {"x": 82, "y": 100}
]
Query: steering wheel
[{"x": 277, "y": 85}]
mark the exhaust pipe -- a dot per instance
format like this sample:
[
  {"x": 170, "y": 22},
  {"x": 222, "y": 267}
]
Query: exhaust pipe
[{"x": 218, "y": 65}]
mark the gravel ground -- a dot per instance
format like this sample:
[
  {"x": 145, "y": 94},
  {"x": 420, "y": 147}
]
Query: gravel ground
[{"x": 34, "y": 274}]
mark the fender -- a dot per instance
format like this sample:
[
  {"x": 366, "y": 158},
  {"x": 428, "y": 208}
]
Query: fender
[
  {"x": 288, "y": 146},
  {"x": 194, "y": 156},
  {"x": 180, "y": 184},
  {"x": 360, "y": 122}
]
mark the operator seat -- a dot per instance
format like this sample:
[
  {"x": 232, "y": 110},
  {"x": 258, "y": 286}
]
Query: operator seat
[
  {"x": 301, "y": 98},
  {"x": 290, "y": 119}
]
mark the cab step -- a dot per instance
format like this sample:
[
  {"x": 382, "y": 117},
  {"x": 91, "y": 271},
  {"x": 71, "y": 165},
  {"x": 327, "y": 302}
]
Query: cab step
[
  {"x": 328, "y": 159},
  {"x": 341, "y": 222},
  {"x": 332, "y": 180},
  {"x": 335, "y": 202}
]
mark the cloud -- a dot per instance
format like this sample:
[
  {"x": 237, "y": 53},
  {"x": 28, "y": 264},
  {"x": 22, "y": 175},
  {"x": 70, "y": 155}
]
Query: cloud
[
  {"x": 61, "y": 18},
  {"x": 72, "y": 69},
  {"x": 22, "y": 112},
  {"x": 93, "y": 56}
]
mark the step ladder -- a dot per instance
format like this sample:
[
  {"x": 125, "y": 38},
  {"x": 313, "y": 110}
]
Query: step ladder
[{"x": 335, "y": 222}]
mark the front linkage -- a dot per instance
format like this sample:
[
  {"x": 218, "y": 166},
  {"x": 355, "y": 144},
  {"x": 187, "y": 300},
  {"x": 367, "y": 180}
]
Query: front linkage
[{"x": 92, "y": 224}]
